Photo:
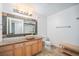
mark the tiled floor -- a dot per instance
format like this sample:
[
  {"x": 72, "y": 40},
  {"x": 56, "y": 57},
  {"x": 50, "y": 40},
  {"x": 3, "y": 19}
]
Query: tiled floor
[{"x": 54, "y": 51}]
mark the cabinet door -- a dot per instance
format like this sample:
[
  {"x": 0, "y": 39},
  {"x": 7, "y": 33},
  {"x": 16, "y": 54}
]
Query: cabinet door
[
  {"x": 34, "y": 48},
  {"x": 28, "y": 50},
  {"x": 18, "y": 49},
  {"x": 7, "y": 53},
  {"x": 40, "y": 45},
  {"x": 6, "y": 50}
]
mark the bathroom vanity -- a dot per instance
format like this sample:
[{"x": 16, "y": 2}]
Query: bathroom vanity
[{"x": 21, "y": 47}]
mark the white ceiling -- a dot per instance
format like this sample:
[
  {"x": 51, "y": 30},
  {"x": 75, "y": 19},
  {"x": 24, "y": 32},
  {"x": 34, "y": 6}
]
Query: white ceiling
[{"x": 50, "y": 8}]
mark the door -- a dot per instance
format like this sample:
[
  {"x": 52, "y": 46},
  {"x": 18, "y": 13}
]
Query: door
[
  {"x": 6, "y": 50},
  {"x": 28, "y": 50},
  {"x": 34, "y": 48},
  {"x": 19, "y": 49},
  {"x": 40, "y": 45}
]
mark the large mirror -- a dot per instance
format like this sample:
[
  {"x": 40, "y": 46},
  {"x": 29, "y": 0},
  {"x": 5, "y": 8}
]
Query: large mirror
[{"x": 15, "y": 26}]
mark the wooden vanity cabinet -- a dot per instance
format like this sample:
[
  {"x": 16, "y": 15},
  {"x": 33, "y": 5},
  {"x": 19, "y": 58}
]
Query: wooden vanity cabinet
[{"x": 26, "y": 48}]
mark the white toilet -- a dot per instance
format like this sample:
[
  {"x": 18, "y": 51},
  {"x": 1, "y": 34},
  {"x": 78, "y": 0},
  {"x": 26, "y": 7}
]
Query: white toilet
[{"x": 47, "y": 43}]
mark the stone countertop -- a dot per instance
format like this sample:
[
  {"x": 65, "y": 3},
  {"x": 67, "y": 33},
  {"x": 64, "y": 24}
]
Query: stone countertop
[
  {"x": 17, "y": 40},
  {"x": 8, "y": 42}
]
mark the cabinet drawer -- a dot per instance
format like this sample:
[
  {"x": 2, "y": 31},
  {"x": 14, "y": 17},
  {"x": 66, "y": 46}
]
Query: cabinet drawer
[
  {"x": 31, "y": 42},
  {"x": 28, "y": 43},
  {"x": 5, "y": 48},
  {"x": 40, "y": 40},
  {"x": 18, "y": 45}
]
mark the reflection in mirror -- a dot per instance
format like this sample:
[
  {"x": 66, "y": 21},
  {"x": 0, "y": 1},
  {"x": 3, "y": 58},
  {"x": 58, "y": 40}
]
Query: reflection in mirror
[
  {"x": 14, "y": 26},
  {"x": 18, "y": 27},
  {"x": 29, "y": 28}
]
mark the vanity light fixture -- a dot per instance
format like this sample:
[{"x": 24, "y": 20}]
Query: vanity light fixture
[{"x": 22, "y": 12}]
